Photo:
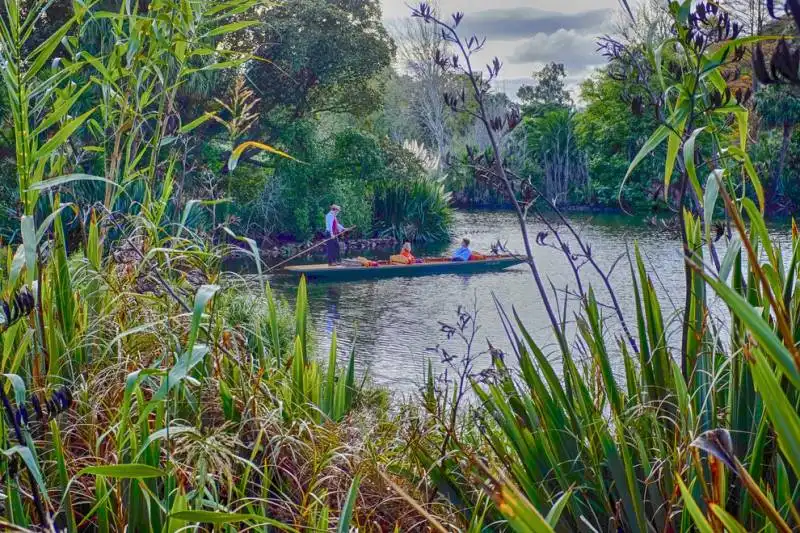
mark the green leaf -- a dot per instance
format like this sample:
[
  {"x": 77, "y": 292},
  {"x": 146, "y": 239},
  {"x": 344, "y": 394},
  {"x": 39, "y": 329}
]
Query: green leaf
[
  {"x": 220, "y": 518},
  {"x": 658, "y": 55},
  {"x": 61, "y": 136},
  {"x": 233, "y": 27},
  {"x": 710, "y": 199},
  {"x": 32, "y": 464},
  {"x": 190, "y": 206},
  {"x": 178, "y": 373},
  {"x": 17, "y": 264},
  {"x": 658, "y": 137},
  {"x": 558, "y": 508},
  {"x": 734, "y": 247},
  {"x": 694, "y": 511},
  {"x": 759, "y": 329},
  {"x": 42, "y": 54},
  {"x": 179, "y": 504},
  {"x": 522, "y": 516},
  {"x": 204, "y": 295},
  {"x": 123, "y": 471},
  {"x": 30, "y": 245},
  {"x": 202, "y": 119},
  {"x": 59, "y": 111},
  {"x": 254, "y": 253},
  {"x": 688, "y": 161},
  {"x": 222, "y": 65},
  {"x": 673, "y": 145},
  {"x": 20, "y": 393},
  {"x": 742, "y": 156},
  {"x": 742, "y": 120},
  {"x": 779, "y": 410},
  {"x": 730, "y": 523},
  {"x": 69, "y": 178},
  {"x": 346, "y": 516}
]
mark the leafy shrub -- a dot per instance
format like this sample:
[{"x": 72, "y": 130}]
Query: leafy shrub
[{"x": 417, "y": 209}]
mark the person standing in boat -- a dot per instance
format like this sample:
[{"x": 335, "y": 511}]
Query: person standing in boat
[{"x": 332, "y": 231}]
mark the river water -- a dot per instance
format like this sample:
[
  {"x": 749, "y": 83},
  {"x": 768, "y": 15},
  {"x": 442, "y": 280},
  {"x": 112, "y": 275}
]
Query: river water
[{"x": 396, "y": 322}]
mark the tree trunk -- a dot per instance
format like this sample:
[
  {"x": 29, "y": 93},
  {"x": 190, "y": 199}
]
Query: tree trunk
[{"x": 772, "y": 195}]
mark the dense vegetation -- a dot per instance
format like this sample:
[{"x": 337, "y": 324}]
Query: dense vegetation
[
  {"x": 576, "y": 147},
  {"x": 144, "y": 387},
  {"x": 309, "y": 85}
]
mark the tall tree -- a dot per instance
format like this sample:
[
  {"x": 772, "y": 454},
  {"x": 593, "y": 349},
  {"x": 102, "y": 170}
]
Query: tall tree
[
  {"x": 418, "y": 45},
  {"x": 752, "y": 14},
  {"x": 553, "y": 141},
  {"x": 548, "y": 88},
  {"x": 611, "y": 136},
  {"x": 319, "y": 55}
]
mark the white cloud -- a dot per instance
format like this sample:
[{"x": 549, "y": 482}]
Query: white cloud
[
  {"x": 526, "y": 34},
  {"x": 521, "y": 23},
  {"x": 577, "y": 50}
]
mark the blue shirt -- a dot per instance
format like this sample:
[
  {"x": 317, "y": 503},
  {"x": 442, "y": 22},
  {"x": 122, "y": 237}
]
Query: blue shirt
[
  {"x": 331, "y": 224},
  {"x": 462, "y": 254}
]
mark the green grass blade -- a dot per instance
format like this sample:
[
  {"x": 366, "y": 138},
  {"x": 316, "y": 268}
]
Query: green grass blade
[
  {"x": 123, "y": 471},
  {"x": 690, "y": 506},
  {"x": 780, "y": 411},
  {"x": 346, "y": 515},
  {"x": 330, "y": 381}
]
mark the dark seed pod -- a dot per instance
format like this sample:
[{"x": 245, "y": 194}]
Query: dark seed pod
[
  {"x": 37, "y": 406},
  {"x": 68, "y": 396},
  {"x": 793, "y": 7},
  {"x": 759, "y": 66},
  {"x": 771, "y": 8}
]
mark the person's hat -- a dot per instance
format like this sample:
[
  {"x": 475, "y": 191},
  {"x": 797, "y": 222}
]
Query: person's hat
[{"x": 335, "y": 207}]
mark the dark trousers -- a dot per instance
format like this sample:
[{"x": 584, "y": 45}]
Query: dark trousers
[{"x": 332, "y": 249}]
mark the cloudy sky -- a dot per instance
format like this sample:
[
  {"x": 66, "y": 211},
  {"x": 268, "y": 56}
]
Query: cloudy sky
[{"x": 526, "y": 34}]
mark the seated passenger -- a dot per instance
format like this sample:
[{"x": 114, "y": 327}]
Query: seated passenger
[
  {"x": 405, "y": 257},
  {"x": 406, "y": 252},
  {"x": 463, "y": 253}
]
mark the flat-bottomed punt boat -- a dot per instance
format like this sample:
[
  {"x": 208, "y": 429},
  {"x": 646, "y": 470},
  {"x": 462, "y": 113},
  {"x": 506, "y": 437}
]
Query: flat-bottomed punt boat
[{"x": 384, "y": 269}]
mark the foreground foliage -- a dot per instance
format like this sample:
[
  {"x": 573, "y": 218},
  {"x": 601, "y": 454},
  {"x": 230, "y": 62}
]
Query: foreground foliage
[{"x": 146, "y": 388}]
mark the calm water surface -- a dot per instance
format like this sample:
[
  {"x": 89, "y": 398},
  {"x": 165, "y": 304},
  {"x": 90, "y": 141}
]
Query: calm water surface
[{"x": 395, "y": 322}]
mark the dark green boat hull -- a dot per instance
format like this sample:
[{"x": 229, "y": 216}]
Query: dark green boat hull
[{"x": 356, "y": 273}]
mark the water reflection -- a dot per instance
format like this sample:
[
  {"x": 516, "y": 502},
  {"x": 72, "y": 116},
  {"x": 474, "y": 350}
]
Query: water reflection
[
  {"x": 396, "y": 321},
  {"x": 332, "y": 315}
]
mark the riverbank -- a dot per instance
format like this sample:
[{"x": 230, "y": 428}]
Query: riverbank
[{"x": 290, "y": 249}]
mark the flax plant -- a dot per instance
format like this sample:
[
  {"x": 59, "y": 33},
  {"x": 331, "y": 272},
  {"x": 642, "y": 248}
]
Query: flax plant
[{"x": 655, "y": 440}]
